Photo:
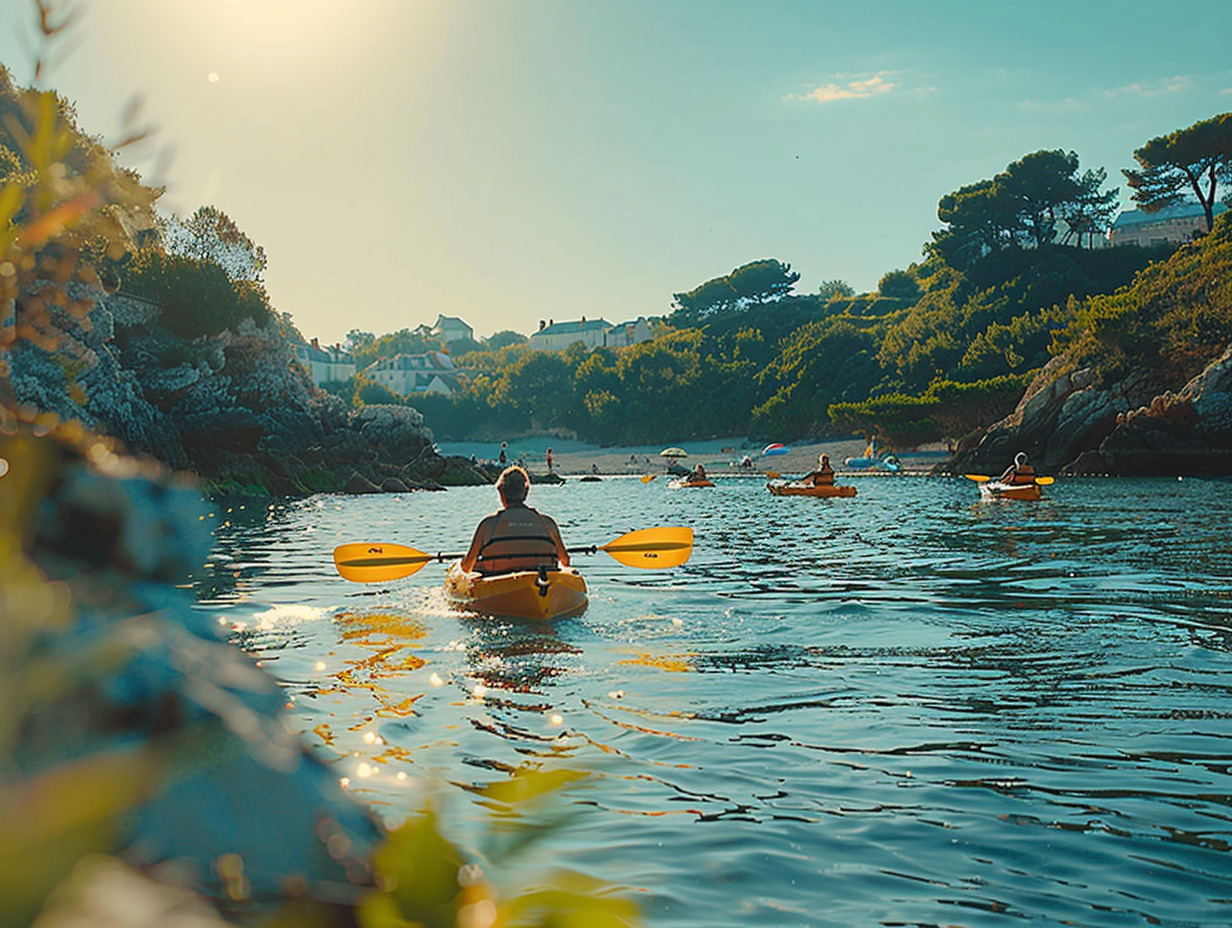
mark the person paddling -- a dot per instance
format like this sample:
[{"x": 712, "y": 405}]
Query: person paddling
[
  {"x": 516, "y": 537},
  {"x": 1019, "y": 472},
  {"x": 823, "y": 475}
]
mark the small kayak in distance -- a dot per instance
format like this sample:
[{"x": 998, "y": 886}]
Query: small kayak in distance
[
  {"x": 792, "y": 488},
  {"x": 680, "y": 484},
  {"x": 995, "y": 489},
  {"x": 525, "y": 594}
]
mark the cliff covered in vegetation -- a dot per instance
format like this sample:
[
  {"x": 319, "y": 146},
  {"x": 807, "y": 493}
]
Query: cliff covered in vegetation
[
  {"x": 158, "y": 331},
  {"x": 1141, "y": 383}
]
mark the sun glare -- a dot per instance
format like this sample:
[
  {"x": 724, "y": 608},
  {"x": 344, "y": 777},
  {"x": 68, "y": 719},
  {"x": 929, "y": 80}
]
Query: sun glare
[{"x": 282, "y": 32}]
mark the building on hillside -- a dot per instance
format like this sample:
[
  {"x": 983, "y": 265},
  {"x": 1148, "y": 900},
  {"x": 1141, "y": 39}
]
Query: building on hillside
[
  {"x": 557, "y": 336},
  {"x": 623, "y": 334},
  {"x": 450, "y": 329},
  {"x": 1173, "y": 225},
  {"x": 324, "y": 364},
  {"x": 404, "y": 374}
]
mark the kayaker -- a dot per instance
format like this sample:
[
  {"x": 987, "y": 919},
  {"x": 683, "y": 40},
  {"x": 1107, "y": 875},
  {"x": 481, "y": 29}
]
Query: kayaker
[
  {"x": 697, "y": 474},
  {"x": 823, "y": 475},
  {"x": 517, "y": 537},
  {"x": 1020, "y": 471}
]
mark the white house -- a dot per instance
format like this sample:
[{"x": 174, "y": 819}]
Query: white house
[
  {"x": 557, "y": 336},
  {"x": 324, "y": 364},
  {"x": 1172, "y": 224},
  {"x": 431, "y": 372},
  {"x": 450, "y": 328},
  {"x": 623, "y": 334}
]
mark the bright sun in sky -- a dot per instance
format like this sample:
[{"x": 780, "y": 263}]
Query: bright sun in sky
[{"x": 512, "y": 161}]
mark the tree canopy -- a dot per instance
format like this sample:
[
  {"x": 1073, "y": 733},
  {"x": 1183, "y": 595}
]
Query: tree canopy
[
  {"x": 753, "y": 283},
  {"x": 1022, "y": 206},
  {"x": 835, "y": 290},
  {"x": 209, "y": 234},
  {"x": 1194, "y": 160}
]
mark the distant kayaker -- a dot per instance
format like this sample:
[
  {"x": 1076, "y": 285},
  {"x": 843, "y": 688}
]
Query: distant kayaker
[
  {"x": 823, "y": 475},
  {"x": 698, "y": 473},
  {"x": 517, "y": 537},
  {"x": 1020, "y": 471}
]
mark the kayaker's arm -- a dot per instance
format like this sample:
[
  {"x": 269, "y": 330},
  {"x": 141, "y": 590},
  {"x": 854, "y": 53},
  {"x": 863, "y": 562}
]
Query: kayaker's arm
[
  {"x": 562, "y": 553},
  {"x": 483, "y": 532}
]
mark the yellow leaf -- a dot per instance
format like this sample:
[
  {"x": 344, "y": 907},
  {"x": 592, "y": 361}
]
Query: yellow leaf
[{"x": 526, "y": 785}]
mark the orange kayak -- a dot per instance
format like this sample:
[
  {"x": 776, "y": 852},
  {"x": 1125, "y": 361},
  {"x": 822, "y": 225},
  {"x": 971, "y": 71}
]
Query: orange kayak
[
  {"x": 995, "y": 489},
  {"x": 525, "y": 594},
  {"x": 791, "y": 488}
]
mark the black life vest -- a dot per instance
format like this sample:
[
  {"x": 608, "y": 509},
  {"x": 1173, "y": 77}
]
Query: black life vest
[{"x": 519, "y": 541}]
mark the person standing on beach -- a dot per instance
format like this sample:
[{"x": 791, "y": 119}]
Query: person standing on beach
[
  {"x": 549, "y": 460},
  {"x": 504, "y": 458}
]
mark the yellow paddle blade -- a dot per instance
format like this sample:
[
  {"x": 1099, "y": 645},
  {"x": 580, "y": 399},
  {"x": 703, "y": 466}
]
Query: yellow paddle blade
[
  {"x": 773, "y": 475},
  {"x": 363, "y": 562},
  {"x": 652, "y": 547},
  {"x": 648, "y": 478},
  {"x": 978, "y": 478},
  {"x": 1043, "y": 481}
]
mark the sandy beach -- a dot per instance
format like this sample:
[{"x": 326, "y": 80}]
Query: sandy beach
[{"x": 720, "y": 457}]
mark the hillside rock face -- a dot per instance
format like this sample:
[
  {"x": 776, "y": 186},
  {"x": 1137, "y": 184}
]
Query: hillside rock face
[
  {"x": 1071, "y": 422},
  {"x": 235, "y": 408}
]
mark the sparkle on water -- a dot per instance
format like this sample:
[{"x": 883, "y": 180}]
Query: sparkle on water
[{"x": 909, "y": 707}]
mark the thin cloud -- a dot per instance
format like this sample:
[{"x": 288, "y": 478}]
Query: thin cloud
[
  {"x": 851, "y": 90},
  {"x": 1157, "y": 88}
]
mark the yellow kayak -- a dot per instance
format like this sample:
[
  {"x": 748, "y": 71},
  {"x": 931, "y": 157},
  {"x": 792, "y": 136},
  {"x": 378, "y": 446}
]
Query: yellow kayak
[
  {"x": 791, "y": 488},
  {"x": 525, "y": 594}
]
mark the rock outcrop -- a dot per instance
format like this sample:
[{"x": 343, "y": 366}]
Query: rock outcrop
[
  {"x": 1072, "y": 421},
  {"x": 236, "y": 408}
]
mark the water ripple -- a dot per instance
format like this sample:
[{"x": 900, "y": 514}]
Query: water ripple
[{"x": 906, "y": 708}]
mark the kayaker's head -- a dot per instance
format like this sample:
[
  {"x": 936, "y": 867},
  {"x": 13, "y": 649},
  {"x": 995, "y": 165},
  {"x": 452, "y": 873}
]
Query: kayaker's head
[
  {"x": 1020, "y": 459},
  {"x": 823, "y": 460},
  {"x": 512, "y": 485}
]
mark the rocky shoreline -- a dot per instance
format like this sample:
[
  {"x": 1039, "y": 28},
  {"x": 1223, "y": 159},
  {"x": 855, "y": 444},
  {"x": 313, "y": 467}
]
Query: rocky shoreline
[
  {"x": 236, "y": 409},
  {"x": 1078, "y": 422}
]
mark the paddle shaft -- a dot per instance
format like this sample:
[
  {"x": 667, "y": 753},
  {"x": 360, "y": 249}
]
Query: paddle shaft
[
  {"x": 424, "y": 558},
  {"x": 659, "y": 547},
  {"x": 980, "y": 478}
]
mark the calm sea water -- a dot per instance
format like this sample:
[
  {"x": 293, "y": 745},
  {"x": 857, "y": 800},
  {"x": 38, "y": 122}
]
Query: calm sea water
[{"x": 906, "y": 708}]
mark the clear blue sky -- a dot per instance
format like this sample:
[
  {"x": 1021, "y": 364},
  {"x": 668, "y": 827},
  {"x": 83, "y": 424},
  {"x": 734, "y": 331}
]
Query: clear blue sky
[{"x": 508, "y": 161}]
